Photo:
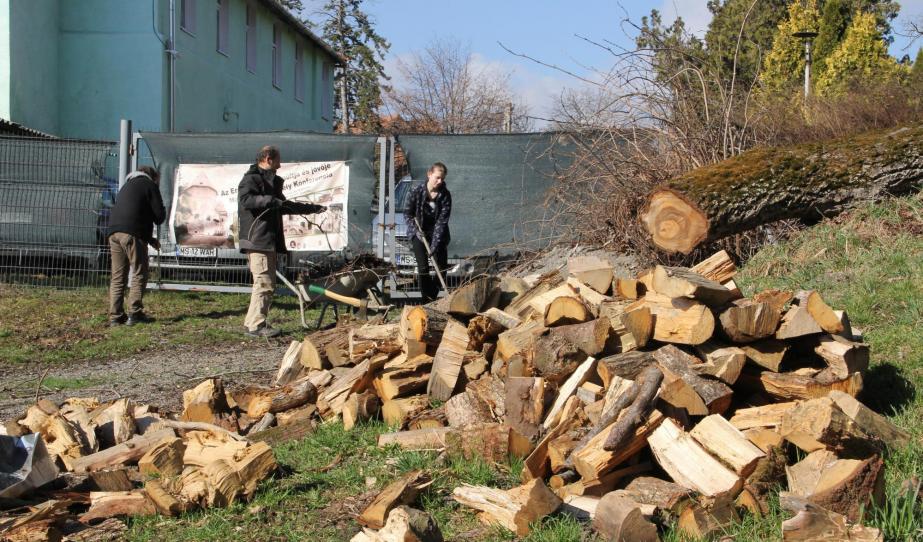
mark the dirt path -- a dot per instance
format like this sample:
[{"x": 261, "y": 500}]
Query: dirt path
[{"x": 156, "y": 378}]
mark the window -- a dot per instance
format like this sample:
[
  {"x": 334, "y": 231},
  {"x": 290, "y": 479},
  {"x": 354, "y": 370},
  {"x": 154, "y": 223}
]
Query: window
[
  {"x": 251, "y": 39},
  {"x": 223, "y": 28},
  {"x": 299, "y": 72},
  {"x": 276, "y": 56},
  {"x": 187, "y": 16}
]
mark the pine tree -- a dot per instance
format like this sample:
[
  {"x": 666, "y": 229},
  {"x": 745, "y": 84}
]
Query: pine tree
[
  {"x": 784, "y": 65},
  {"x": 861, "y": 56},
  {"x": 359, "y": 82},
  {"x": 758, "y": 20},
  {"x": 834, "y": 20}
]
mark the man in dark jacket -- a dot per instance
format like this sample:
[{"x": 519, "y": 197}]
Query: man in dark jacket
[
  {"x": 260, "y": 205},
  {"x": 431, "y": 205},
  {"x": 138, "y": 207}
]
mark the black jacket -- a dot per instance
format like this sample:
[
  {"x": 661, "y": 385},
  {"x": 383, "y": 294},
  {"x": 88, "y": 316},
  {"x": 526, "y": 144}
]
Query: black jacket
[
  {"x": 439, "y": 235},
  {"x": 138, "y": 207},
  {"x": 260, "y": 206}
]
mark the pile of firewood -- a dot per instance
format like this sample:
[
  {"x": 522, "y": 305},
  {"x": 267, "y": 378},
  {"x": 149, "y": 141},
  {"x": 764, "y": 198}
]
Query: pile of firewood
[
  {"x": 664, "y": 398},
  {"x": 122, "y": 459}
]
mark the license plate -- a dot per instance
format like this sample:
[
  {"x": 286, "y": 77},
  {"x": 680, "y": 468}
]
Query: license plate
[
  {"x": 197, "y": 252},
  {"x": 406, "y": 260}
]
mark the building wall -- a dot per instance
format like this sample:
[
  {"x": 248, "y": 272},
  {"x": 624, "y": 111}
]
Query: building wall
[
  {"x": 217, "y": 93},
  {"x": 30, "y": 75}
]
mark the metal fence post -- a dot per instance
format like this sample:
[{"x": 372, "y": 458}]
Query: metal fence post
[
  {"x": 124, "y": 150},
  {"x": 382, "y": 167}
]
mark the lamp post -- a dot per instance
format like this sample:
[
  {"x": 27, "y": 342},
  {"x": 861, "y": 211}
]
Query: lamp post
[{"x": 808, "y": 37}]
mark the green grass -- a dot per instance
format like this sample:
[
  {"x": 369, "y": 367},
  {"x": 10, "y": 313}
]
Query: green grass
[{"x": 60, "y": 326}]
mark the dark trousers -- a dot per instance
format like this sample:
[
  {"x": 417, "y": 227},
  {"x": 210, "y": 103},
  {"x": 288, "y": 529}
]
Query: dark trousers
[{"x": 429, "y": 285}]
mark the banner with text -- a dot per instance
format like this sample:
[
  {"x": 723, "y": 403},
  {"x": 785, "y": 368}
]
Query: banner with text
[{"x": 204, "y": 212}]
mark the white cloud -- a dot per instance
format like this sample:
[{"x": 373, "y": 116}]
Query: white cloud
[{"x": 694, "y": 13}]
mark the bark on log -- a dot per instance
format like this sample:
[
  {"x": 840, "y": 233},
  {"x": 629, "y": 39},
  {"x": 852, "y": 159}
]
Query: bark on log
[
  {"x": 619, "y": 518},
  {"x": 427, "y": 324},
  {"x": 470, "y": 298},
  {"x": 625, "y": 426},
  {"x": 767, "y": 185}
]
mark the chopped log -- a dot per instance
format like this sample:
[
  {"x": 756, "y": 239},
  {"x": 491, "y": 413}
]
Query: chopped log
[
  {"x": 589, "y": 392},
  {"x": 607, "y": 482},
  {"x": 203, "y": 448},
  {"x": 674, "y": 282},
  {"x": 768, "y": 185},
  {"x": 260, "y": 400},
  {"x": 396, "y": 412},
  {"x": 819, "y": 423},
  {"x": 474, "y": 365},
  {"x": 767, "y": 353},
  {"x": 489, "y": 442},
  {"x": 580, "y": 507},
  {"x": 844, "y": 486},
  {"x": 165, "y": 459},
  {"x": 590, "y": 297},
  {"x": 337, "y": 350},
  {"x": 812, "y": 523},
  {"x": 718, "y": 267},
  {"x": 727, "y": 443},
  {"x": 713, "y": 396},
  {"x": 404, "y": 490},
  {"x": 404, "y": 524},
  {"x": 870, "y": 422},
  {"x": 627, "y": 365},
  {"x": 750, "y": 321},
  {"x": 404, "y": 378},
  {"x": 37, "y": 415},
  {"x": 354, "y": 379},
  {"x": 525, "y": 404},
  {"x": 619, "y": 518},
  {"x": 448, "y": 361},
  {"x": 373, "y": 339},
  {"x": 538, "y": 305},
  {"x": 205, "y": 403},
  {"x": 722, "y": 362},
  {"x": 764, "y": 439},
  {"x": 618, "y": 387},
  {"x": 702, "y": 521},
  {"x": 427, "y": 324},
  {"x": 470, "y": 298},
  {"x": 792, "y": 386},
  {"x": 666, "y": 497},
  {"x": 825, "y": 317},
  {"x": 552, "y": 357},
  {"x": 590, "y": 337},
  {"x": 514, "y": 509},
  {"x": 564, "y": 310},
  {"x": 490, "y": 392},
  {"x": 115, "y": 424},
  {"x": 237, "y": 477},
  {"x": 623, "y": 288},
  {"x": 110, "y": 504},
  {"x": 633, "y": 329},
  {"x": 843, "y": 356},
  {"x": 678, "y": 320},
  {"x": 592, "y": 461},
  {"x": 109, "y": 530},
  {"x": 464, "y": 409},
  {"x": 513, "y": 341},
  {"x": 295, "y": 415},
  {"x": 416, "y": 439},
  {"x": 291, "y": 365},
  {"x": 689, "y": 464},
  {"x": 429, "y": 419},
  {"x": 165, "y": 503},
  {"x": 560, "y": 448},
  {"x": 313, "y": 353},
  {"x": 483, "y": 329},
  {"x": 360, "y": 407},
  {"x": 502, "y": 318},
  {"x": 626, "y": 424},
  {"x": 62, "y": 440},
  {"x": 123, "y": 454},
  {"x": 797, "y": 322},
  {"x": 592, "y": 271},
  {"x": 536, "y": 464},
  {"x": 112, "y": 480},
  {"x": 268, "y": 420},
  {"x": 576, "y": 378}
]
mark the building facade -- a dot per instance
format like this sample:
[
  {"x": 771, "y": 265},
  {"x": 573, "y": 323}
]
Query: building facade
[{"x": 74, "y": 68}]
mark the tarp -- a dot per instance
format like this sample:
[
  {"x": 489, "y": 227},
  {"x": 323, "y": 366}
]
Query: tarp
[
  {"x": 498, "y": 183},
  {"x": 358, "y": 152}
]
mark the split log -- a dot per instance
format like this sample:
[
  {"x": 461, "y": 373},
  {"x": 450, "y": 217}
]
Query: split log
[
  {"x": 701, "y": 521},
  {"x": 37, "y": 415},
  {"x": 353, "y": 380},
  {"x": 501, "y": 318},
  {"x": 360, "y": 407},
  {"x": 268, "y": 420},
  {"x": 470, "y": 298},
  {"x": 521, "y": 306},
  {"x": 576, "y": 378},
  {"x": 797, "y": 322},
  {"x": 767, "y": 185},
  {"x": 374, "y": 339},
  {"x": 448, "y": 361},
  {"x": 767, "y": 353},
  {"x": 619, "y": 518},
  {"x": 806, "y": 385},
  {"x": 291, "y": 365},
  {"x": 115, "y": 424},
  {"x": 634, "y": 329},
  {"x": 165, "y": 459},
  {"x": 592, "y": 271},
  {"x": 404, "y": 490},
  {"x": 624, "y": 288},
  {"x": 762, "y": 416},
  {"x": 589, "y": 392},
  {"x": 552, "y": 357},
  {"x": 628, "y": 418},
  {"x": 123, "y": 454},
  {"x": 488, "y": 442},
  {"x": 870, "y": 422},
  {"x": 62, "y": 440},
  {"x": 396, "y": 412},
  {"x": 843, "y": 357},
  {"x": 203, "y": 448},
  {"x": 474, "y": 365},
  {"x": 607, "y": 482},
  {"x": 464, "y": 410},
  {"x": 205, "y": 403},
  {"x": 313, "y": 353},
  {"x": 565, "y": 310},
  {"x": 722, "y": 362},
  {"x": 666, "y": 497},
  {"x": 616, "y": 393},
  {"x": 337, "y": 350},
  {"x": 261, "y": 400},
  {"x": 674, "y": 282},
  {"x": 820, "y": 423},
  {"x": 490, "y": 392},
  {"x": 678, "y": 320},
  {"x": 404, "y": 524},
  {"x": 749, "y": 321},
  {"x": 427, "y": 324},
  {"x": 593, "y": 461},
  {"x": 294, "y": 415},
  {"x": 844, "y": 486},
  {"x": 764, "y": 439},
  {"x": 590, "y": 337},
  {"x": 110, "y": 504},
  {"x": 165, "y": 503},
  {"x": 525, "y": 404},
  {"x": 514, "y": 509},
  {"x": 689, "y": 464},
  {"x": 403, "y": 378},
  {"x": 725, "y": 442},
  {"x": 718, "y": 267},
  {"x": 112, "y": 480},
  {"x": 536, "y": 464},
  {"x": 482, "y": 329},
  {"x": 416, "y": 439},
  {"x": 237, "y": 478},
  {"x": 513, "y": 341},
  {"x": 684, "y": 388},
  {"x": 429, "y": 419},
  {"x": 825, "y": 317},
  {"x": 590, "y": 297},
  {"x": 627, "y": 365},
  {"x": 813, "y": 523}
]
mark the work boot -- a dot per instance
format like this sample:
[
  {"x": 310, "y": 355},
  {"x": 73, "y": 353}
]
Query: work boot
[
  {"x": 264, "y": 331},
  {"x": 115, "y": 322},
  {"x": 138, "y": 318}
]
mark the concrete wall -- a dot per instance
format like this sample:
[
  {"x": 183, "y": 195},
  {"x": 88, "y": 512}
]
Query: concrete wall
[
  {"x": 30, "y": 81},
  {"x": 217, "y": 93}
]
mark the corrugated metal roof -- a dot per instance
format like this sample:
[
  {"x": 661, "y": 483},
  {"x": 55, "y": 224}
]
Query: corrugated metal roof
[
  {"x": 286, "y": 16},
  {"x": 8, "y": 127}
]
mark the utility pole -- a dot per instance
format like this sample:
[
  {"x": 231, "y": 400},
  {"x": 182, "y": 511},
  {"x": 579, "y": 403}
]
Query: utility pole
[
  {"x": 344, "y": 104},
  {"x": 808, "y": 37}
]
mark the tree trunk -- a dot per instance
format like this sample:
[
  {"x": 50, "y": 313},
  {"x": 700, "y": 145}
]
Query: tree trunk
[{"x": 766, "y": 185}]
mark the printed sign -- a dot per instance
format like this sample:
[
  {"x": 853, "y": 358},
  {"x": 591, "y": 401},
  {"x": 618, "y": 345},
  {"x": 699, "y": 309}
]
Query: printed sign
[{"x": 204, "y": 212}]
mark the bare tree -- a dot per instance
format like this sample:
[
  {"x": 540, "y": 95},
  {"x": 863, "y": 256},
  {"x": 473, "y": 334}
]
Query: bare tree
[{"x": 443, "y": 89}]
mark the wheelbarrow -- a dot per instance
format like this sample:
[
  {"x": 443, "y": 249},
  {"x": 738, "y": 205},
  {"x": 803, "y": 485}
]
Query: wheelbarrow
[{"x": 357, "y": 288}]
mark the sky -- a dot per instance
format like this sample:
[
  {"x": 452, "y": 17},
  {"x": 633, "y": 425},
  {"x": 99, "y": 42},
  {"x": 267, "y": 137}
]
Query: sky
[{"x": 553, "y": 31}]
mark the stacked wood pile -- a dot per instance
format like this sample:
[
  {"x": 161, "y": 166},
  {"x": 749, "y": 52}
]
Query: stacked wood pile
[
  {"x": 125, "y": 459},
  {"x": 667, "y": 397}
]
